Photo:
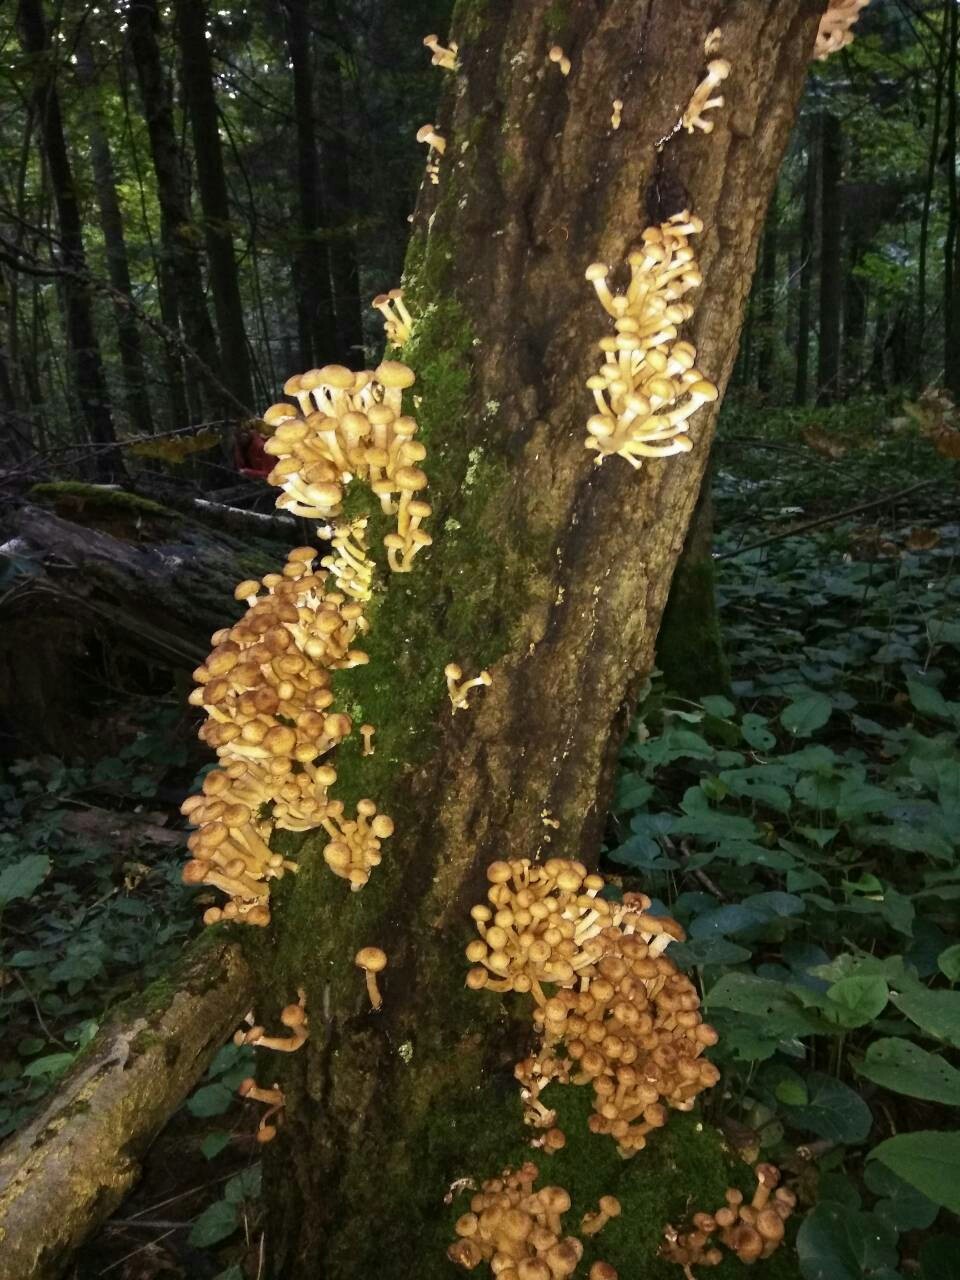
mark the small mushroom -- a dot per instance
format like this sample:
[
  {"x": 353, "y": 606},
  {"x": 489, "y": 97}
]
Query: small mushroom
[
  {"x": 366, "y": 732},
  {"x": 594, "y": 1222},
  {"x": 372, "y": 961}
]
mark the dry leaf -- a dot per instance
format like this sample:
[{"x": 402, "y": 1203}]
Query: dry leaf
[
  {"x": 820, "y": 441},
  {"x": 922, "y": 539}
]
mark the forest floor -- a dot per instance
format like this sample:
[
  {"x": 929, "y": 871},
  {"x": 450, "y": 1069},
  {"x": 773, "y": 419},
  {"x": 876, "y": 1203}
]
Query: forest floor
[{"x": 803, "y": 829}]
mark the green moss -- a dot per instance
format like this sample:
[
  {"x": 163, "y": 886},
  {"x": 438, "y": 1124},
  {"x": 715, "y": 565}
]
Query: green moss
[
  {"x": 469, "y": 19},
  {"x": 98, "y": 500},
  {"x": 557, "y": 19},
  {"x": 686, "y": 1167}
]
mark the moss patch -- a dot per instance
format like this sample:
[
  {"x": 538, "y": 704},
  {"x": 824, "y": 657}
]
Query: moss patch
[{"x": 75, "y": 499}]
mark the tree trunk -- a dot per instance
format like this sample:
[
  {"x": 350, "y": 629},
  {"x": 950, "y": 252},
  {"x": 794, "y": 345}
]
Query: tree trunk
[
  {"x": 831, "y": 252},
  {"x": 808, "y": 228},
  {"x": 951, "y": 256},
  {"x": 768, "y": 302},
  {"x": 136, "y": 394},
  {"x": 923, "y": 250},
  {"x": 83, "y": 350},
  {"x": 854, "y": 315},
  {"x": 316, "y": 325},
  {"x": 690, "y": 642},
  {"x": 338, "y": 201},
  {"x": 181, "y": 290},
  {"x": 549, "y": 570},
  {"x": 212, "y": 184}
]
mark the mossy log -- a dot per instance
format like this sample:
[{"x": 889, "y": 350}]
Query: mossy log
[
  {"x": 65, "y": 1172},
  {"x": 550, "y": 571}
]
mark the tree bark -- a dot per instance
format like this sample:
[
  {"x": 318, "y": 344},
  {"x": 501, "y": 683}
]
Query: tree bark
[
  {"x": 831, "y": 254},
  {"x": 768, "y": 302},
  {"x": 182, "y": 303},
  {"x": 808, "y": 228},
  {"x": 854, "y": 314},
  {"x": 136, "y": 395},
  {"x": 951, "y": 256},
  {"x": 316, "y": 324},
  {"x": 212, "y": 184},
  {"x": 547, "y": 569},
  {"x": 67, "y": 1170},
  {"x": 83, "y": 350}
]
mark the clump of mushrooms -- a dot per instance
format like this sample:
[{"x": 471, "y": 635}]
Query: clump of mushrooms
[
  {"x": 648, "y": 387},
  {"x": 703, "y": 97},
  {"x": 836, "y": 26},
  {"x": 459, "y": 689},
  {"x": 292, "y": 1016},
  {"x": 265, "y": 689},
  {"x": 610, "y": 1008},
  {"x": 442, "y": 57},
  {"x": 518, "y": 1231},
  {"x": 397, "y": 320},
  {"x": 751, "y": 1231}
]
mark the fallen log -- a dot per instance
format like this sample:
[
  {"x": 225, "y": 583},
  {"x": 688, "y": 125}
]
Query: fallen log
[{"x": 67, "y": 1170}]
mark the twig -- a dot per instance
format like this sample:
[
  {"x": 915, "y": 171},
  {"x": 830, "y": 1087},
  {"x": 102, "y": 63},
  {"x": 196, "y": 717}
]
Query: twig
[
  {"x": 36, "y": 1009},
  {"x": 822, "y": 520},
  {"x": 133, "y": 1253}
]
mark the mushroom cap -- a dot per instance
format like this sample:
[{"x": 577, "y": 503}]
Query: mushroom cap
[
  {"x": 391, "y": 373},
  {"x": 597, "y": 271},
  {"x": 371, "y": 958},
  {"x": 425, "y": 132},
  {"x": 610, "y": 1205}
]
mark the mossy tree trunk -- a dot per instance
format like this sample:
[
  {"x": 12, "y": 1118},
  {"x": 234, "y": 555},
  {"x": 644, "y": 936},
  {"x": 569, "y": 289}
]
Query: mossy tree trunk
[{"x": 549, "y": 570}]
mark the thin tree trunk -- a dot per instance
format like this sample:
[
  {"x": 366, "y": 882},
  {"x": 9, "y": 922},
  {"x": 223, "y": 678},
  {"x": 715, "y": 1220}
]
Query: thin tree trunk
[
  {"x": 923, "y": 251},
  {"x": 212, "y": 184},
  {"x": 182, "y": 303},
  {"x": 316, "y": 324},
  {"x": 767, "y": 301},
  {"x": 83, "y": 349},
  {"x": 854, "y": 315},
  {"x": 118, "y": 269},
  {"x": 808, "y": 230},
  {"x": 951, "y": 257},
  {"x": 831, "y": 253},
  {"x": 338, "y": 201},
  {"x": 548, "y": 570}
]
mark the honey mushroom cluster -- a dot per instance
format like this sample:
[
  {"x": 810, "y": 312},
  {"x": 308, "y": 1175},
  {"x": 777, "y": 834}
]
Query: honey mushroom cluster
[
  {"x": 442, "y": 57},
  {"x": 703, "y": 97},
  {"x": 751, "y": 1231},
  {"x": 292, "y": 1016},
  {"x": 622, "y": 1018},
  {"x": 274, "y": 1100},
  {"x": 349, "y": 563},
  {"x": 436, "y": 146},
  {"x": 836, "y": 26},
  {"x": 265, "y": 689},
  {"x": 648, "y": 387},
  {"x": 351, "y": 426},
  {"x": 459, "y": 689},
  {"x": 519, "y": 1231},
  {"x": 397, "y": 320}
]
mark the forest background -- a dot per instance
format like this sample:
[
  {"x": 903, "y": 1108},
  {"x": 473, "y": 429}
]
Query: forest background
[{"x": 193, "y": 205}]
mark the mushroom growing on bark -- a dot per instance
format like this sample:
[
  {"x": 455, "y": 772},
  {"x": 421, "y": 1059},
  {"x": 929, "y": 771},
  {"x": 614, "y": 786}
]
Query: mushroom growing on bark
[{"x": 372, "y": 961}]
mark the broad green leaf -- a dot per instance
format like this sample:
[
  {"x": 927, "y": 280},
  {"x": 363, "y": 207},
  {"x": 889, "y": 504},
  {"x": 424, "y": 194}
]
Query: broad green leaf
[
  {"x": 903, "y": 1206},
  {"x": 717, "y": 705},
  {"x": 858, "y": 1000},
  {"x": 217, "y": 1222},
  {"x": 755, "y": 732},
  {"x": 902, "y": 1066},
  {"x": 935, "y": 1012},
  {"x": 210, "y": 1100},
  {"x": 927, "y": 1160},
  {"x": 949, "y": 962},
  {"x": 49, "y": 1067},
  {"x": 837, "y": 1243},
  {"x": 716, "y": 826},
  {"x": 832, "y": 1111},
  {"x": 213, "y": 1144},
  {"x": 928, "y": 701},
  {"x": 805, "y": 715},
  {"x": 23, "y": 878},
  {"x": 246, "y": 1185}
]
